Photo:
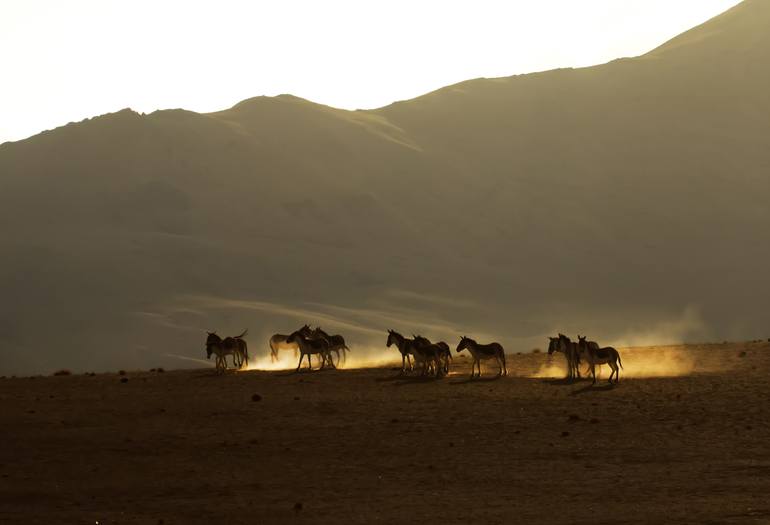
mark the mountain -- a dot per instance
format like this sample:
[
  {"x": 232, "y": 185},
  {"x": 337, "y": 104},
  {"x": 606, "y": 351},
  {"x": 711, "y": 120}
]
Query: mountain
[{"x": 626, "y": 200}]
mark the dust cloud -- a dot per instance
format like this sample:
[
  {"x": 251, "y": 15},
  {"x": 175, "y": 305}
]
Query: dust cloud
[
  {"x": 638, "y": 362},
  {"x": 362, "y": 357}
]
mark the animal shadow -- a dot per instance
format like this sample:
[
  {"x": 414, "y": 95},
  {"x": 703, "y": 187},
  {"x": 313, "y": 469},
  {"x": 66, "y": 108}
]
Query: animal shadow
[
  {"x": 593, "y": 388},
  {"x": 560, "y": 381},
  {"x": 476, "y": 380},
  {"x": 410, "y": 380}
]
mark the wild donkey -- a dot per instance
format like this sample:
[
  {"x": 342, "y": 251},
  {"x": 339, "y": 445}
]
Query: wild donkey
[
  {"x": 278, "y": 342},
  {"x": 571, "y": 353},
  {"x": 428, "y": 356},
  {"x": 232, "y": 346},
  {"x": 336, "y": 344},
  {"x": 483, "y": 352},
  {"x": 598, "y": 356},
  {"x": 443, "y": 349},
  {"x": 592, "y": 344},
  {"x": 309, "y": 347}
]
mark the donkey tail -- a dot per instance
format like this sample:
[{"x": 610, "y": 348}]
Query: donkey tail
[{"x": 619, "y": 361}]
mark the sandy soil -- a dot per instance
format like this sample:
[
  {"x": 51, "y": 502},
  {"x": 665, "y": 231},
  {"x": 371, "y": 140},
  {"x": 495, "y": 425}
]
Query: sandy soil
[{"x": 366, "y": 446}]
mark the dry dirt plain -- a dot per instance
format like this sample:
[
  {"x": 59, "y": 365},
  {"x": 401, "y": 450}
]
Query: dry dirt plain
[{"x": 365, "y": 446}]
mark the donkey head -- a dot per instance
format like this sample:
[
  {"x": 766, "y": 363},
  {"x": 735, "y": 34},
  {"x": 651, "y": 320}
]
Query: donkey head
[{"x": 553, "y": 345}]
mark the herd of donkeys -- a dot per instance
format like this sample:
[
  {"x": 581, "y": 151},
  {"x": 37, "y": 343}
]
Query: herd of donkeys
[{"x": 417, "y": 353}]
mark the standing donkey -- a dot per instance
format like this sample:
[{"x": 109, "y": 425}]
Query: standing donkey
[
  {"x": 229, "y": 346},
  {"x": 483, "y": 352},
  {"x": 307, "y": 347},
  {"x": 429, "y": 356},
  {"x": 599, "y": 356},
  {"x": 564, "y": 345}
]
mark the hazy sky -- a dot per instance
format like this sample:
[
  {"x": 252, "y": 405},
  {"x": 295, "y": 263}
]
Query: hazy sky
[{"x": 67, "y": 60}]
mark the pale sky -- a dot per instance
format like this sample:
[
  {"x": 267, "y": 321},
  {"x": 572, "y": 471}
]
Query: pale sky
[{"x": 63, "y": 61}]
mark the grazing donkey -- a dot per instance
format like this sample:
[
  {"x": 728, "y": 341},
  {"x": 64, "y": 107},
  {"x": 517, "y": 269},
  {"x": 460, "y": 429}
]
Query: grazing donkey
[
  {"x": 599, "y": 356},
  {"x": 483, "y": 352},
  {"x": 309, "y": 347}
]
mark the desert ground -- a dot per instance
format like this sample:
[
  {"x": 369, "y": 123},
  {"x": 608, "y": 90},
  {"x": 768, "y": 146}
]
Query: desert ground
[{"x": 685, "y": 441}]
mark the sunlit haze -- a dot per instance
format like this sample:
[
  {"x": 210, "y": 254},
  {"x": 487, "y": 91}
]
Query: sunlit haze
[{"x": 65, "y": 61}]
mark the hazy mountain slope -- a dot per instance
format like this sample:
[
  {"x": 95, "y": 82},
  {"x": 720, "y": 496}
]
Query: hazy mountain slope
[{"x": 608, "y": 199}]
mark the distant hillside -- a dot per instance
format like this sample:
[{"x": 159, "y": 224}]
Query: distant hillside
[{"x": 627, "y": 200}]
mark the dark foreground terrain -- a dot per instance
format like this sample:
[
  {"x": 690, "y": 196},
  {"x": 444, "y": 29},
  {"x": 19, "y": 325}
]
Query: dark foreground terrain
[{"x": 365, "y": 446}]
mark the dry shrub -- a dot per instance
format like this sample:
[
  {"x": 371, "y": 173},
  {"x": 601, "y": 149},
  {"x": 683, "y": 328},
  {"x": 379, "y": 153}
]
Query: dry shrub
[{"x": 62, "y": 372}]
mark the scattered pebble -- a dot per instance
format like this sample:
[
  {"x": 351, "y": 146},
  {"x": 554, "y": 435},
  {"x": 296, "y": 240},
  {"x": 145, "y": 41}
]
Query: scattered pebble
[
  {"x": 564, "y": 434},
  {"x": 394, "y": 420},
  {"x": 121, "y": 372},
  {"x": 256, "y": 397},
  {"x": 742, "y": 354},
  {"x": 124, "y": 380},
  {"x": 297, "y": 507},
  {"x": 573, "y": 417},
  {"x": 593, "y": 420}
]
